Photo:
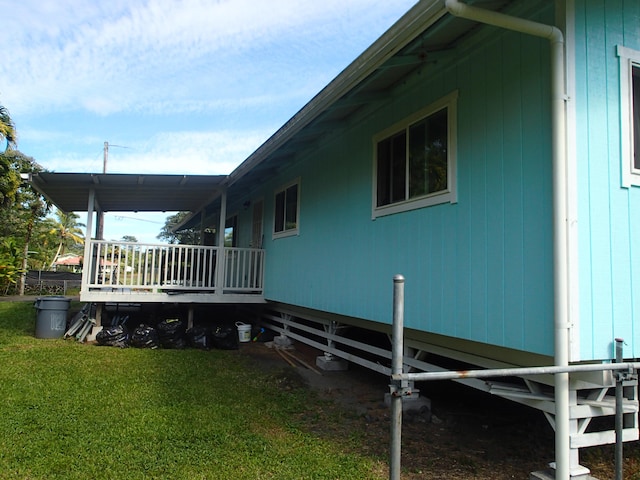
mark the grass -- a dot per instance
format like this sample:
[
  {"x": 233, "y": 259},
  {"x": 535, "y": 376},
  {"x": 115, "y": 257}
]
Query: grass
[{"x": 74, "y": 411}]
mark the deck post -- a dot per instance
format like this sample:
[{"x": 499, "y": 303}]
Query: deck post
[
  {"x": 190, "y": 317},
  {"x": 99, "y": 314},
  {"x": 87, "y": 263}
]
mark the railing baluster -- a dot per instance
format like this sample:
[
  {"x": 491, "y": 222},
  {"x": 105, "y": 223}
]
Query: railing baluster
[
  {"x": 139, "y": 267},
  {"x": 145, "y": 273},
  {"x": 180, "y": 267},
  {"x": 103, "y": 263},
  {"x": 124, "y": 266},
  {"x": 234, "y": 261}
]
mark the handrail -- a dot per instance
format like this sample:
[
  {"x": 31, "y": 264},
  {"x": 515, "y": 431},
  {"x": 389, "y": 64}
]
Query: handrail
[{"x": 168, "y": 267}]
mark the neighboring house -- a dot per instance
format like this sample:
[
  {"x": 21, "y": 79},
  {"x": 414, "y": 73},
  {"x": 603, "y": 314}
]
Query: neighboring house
[
  {"x": 70, "y": 262},
  {"x": 495, "y": 167}
]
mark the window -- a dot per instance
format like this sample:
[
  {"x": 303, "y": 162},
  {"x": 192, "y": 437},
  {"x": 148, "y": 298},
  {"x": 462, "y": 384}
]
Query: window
[
  {"x": 231, "y": 232},
  {"x": 630, "y": 115},
  {"x": 286, "y": 211},
  {"x": 415, "y": 160}
]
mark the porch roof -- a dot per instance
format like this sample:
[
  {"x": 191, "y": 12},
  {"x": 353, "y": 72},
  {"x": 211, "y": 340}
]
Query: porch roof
[{"x": 128, "y": 192}]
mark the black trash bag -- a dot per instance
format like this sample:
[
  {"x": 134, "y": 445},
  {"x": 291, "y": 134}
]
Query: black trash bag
[
  {"x": 198, "y": 337},
  {"x": 145, "y": 337},
  {"x": 117, "y": 336},
  {"x": 225, "y": 337},
  {"x": 172, "y": 333}
]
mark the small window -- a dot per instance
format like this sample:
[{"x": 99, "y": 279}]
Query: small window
[
  {"x": 231, "y": 232},
  {"x": 630, "y": 115},
  {"x": 286, "y": 211},
  {"x": 415, "y": 160}
]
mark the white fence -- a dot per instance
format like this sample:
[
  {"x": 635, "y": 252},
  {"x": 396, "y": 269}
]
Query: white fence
[{"x": 161, "y": 267}]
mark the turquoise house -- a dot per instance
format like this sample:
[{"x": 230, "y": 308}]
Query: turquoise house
[
  {"x": 432, "y": 155},
  {"x": 487, "y": 151}
]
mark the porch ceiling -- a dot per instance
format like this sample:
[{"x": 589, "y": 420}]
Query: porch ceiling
[{"x": 128, "y": 192}]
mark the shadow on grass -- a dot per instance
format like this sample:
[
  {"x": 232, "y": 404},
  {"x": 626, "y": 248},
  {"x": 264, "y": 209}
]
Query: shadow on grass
[{"x": 17, "y": 319}]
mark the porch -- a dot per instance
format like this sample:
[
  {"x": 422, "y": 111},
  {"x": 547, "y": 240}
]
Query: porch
[{"x": 131, "y": 272}]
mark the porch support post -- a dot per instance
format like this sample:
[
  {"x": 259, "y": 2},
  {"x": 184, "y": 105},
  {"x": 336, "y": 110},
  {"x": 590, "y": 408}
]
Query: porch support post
[
  {"x": 221, "y": 254},
  {"x": 87, "y": 262},
  {"x": 99, "y": 223},
  {"x": 202, "y": 219}
]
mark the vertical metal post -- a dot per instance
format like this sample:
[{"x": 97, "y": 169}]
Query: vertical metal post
[
  {"x": 619, "y": 412},
  {"x": 396, "y": 368}
]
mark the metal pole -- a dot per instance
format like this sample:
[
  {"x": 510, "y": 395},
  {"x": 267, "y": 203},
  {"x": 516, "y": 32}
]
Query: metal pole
[
  {"x": 515, "y": 372},
  {"x": 619, "y": 418},
  {"x": 396, "y": 368}
]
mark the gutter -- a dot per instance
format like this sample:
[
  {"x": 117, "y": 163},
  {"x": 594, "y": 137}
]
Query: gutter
[{"x": 560, "y": 208}]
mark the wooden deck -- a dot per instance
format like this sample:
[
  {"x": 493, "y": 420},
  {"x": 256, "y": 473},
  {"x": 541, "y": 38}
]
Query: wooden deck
[{"x": 128, "y": 272}]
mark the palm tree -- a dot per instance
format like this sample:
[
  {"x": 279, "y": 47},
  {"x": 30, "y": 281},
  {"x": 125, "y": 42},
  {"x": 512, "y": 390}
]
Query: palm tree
[
  {"x": 68, "y": 231},
  {"x": 7, "y": 128}
]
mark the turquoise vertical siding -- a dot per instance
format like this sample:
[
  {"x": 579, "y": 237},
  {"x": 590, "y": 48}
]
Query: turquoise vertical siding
[
  {"x": 609, "y": 215},
  {"x": 479, "y": 269}
]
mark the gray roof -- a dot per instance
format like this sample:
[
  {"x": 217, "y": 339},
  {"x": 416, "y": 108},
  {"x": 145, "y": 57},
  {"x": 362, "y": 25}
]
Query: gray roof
[{"x": 128, "y": 192}]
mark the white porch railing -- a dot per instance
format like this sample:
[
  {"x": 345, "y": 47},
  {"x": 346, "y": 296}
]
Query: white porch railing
[{"x": 135, "y": 267}]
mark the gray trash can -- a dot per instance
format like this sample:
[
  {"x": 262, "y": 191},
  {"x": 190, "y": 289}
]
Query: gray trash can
[{"x": 52, "y": 316}]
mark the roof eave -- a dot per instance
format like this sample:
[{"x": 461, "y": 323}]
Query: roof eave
[{"x": 420, "y": 17}]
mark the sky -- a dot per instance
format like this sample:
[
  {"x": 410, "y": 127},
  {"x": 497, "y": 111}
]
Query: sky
[{"x": 173, "y": 86}]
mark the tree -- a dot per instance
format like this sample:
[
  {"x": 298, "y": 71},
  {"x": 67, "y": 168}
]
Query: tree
[
  {"x": 68, "y": 231},
  {"x": 7, "y": 129},
  {"x": 9, "y": 178},
  {"x": 9, "y": 264},
  {"x": 22, "y": 208},
  {"x": 188, "y": 236}
]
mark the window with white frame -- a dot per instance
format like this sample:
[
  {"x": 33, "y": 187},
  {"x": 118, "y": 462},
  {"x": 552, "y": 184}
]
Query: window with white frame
[
  {"x": 415, "y": 160},
  {"x": 286, "y": 210},
  {"x": 630, "y": 114}
]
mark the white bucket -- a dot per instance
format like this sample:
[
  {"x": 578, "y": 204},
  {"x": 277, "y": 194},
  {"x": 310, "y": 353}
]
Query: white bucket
[{"x": 244, "y": 332}]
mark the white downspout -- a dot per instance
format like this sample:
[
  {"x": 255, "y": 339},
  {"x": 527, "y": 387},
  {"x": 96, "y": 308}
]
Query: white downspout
[{"x": 560, "y": 209}]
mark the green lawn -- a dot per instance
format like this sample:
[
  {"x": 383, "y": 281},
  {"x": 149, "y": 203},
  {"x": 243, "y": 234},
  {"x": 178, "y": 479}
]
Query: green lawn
[{"x": 69, "y": 410}]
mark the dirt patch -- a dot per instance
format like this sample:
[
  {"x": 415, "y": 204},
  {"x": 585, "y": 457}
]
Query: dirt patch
[{"x": 470, "y": 434}]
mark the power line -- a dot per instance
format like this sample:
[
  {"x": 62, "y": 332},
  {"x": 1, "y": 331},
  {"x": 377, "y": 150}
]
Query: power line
[
  {"x": 105, "y": 156},
  {"x": 122, "y": 217}
]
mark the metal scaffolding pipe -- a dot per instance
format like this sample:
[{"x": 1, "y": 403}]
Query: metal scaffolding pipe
[
  {"x": 515, "y": 372},
  {"x": 396, "y": 369},
  {"x": 619, "y": 417}
]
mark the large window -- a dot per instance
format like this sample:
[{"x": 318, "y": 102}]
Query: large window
[
  {"x": 286, "y": 210},
  {"x": 630, "y": 115},
  {"x": 415, "y": 160}
]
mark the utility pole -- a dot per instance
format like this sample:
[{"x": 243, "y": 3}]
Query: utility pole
[
  {"x": 100, "y": 219},
  {"x": 105, "y": 157}
]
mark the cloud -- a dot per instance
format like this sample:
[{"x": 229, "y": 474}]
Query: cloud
[
  {"x": 210, "y": 153},
  {"x": 191, "y": 86},
  {"x": 133, "y": 56}
]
